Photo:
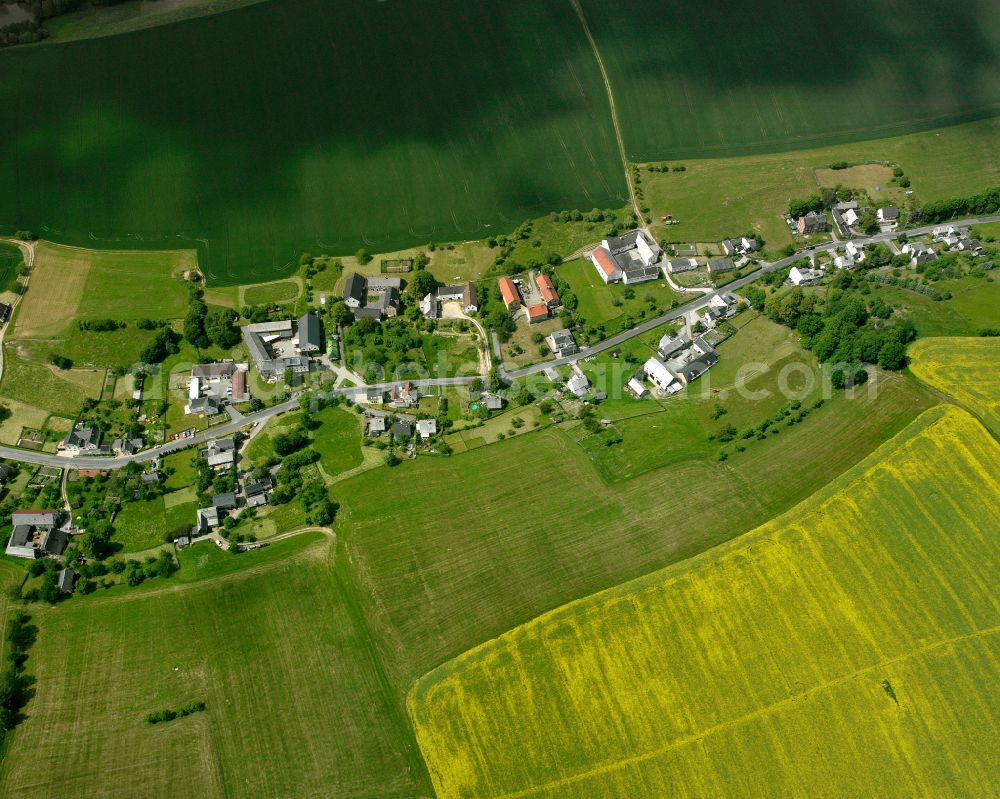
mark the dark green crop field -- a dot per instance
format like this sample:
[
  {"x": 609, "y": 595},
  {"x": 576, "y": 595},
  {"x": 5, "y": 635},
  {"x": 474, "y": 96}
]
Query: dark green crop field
[
  {"x": 697, "y": 80},
  {"x": 307, "y": 125},
  {"x": 323, "y": 126}
]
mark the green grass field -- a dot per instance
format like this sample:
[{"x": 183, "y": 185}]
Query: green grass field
[
  {"x": 445, "y": 141},
  {"x": 730, "y": 78},
  {"x": 10, "y": 259},
  {"x": 143, "y": 525},
  {"x": 73, "y": 283},
  {"x": 273, "y": 644},
  {"x": 842, "y": 649},
  {"x": 283, "y": 291},
  {"x": 338, "y": 440},
  {"x": 596, "y": 299},
  {"x": 49, "y": 389},
  {"x": 723, "y": 197}
]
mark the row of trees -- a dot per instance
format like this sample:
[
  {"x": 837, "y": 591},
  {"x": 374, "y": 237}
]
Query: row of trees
[
  {"x": 984, "y": 204},
  {"x": 15, "y": 685}
]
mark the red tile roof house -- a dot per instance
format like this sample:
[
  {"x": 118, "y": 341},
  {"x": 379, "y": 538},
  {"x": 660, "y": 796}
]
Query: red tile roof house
[
  {"x": 509, "y": 293},
  {"x": 606, "y": 266},
  {"x": 549, "y": 295},
  {"x": 538, "y": 313}
]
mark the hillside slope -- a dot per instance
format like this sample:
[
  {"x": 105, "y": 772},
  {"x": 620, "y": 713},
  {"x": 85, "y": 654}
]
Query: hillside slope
[{"x": 844, "y": 648}]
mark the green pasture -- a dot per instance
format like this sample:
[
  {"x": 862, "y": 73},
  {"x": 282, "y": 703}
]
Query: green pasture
[
  {"x": 271, "y": 641},
  {"x": 337, "y": 439},
  {"x": 726, "y": 196},
  {"x": 596, "y": 301},
  {"x": 143, "y": 525},
  {"x": 283, "y": 291}
]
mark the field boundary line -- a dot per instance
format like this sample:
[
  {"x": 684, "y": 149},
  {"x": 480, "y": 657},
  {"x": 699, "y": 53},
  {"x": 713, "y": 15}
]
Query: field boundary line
[
  {"x": 614, "y": 109},
  {"x": 761, "y": 713}
]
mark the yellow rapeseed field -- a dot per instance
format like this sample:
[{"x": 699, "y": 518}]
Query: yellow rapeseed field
[
  {"x": 847, "y": 648},
  {"x": 967, "y": 369}
]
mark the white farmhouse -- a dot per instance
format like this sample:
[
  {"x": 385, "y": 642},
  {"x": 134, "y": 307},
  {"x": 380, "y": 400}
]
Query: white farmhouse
[{"x": 661, "y": 376}]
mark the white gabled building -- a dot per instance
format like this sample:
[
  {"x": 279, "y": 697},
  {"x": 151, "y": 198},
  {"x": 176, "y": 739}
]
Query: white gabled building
[
  {"x": 855, "y": 251},
  {"x": 661, "y": 376},
  {"x": 804, "y": 277}
]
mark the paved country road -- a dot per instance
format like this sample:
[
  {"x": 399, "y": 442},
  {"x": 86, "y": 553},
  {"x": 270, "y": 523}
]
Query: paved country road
[
  {"x": 700, "y": 302},
  {"x": 238, "y": 421}
]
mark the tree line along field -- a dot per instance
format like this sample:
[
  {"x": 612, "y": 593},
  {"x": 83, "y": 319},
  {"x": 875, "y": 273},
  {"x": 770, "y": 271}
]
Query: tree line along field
[
  {"x": 270, "y": 641},
  {"x": 332, "y": 127},
  {"x": 731, "y": 78},
  {"x": 845, "y": 648},
  {"x": 967, "y": 369}
]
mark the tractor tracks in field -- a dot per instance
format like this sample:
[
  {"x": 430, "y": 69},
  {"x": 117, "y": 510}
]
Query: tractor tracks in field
[{"x": 614, "y": 109}]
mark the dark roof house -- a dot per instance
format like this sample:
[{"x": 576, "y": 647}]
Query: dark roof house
[{"x": 310, "y": 333}]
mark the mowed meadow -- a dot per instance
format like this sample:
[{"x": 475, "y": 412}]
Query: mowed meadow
[
  {"x": 846, "y": 648},
  {"x": 309, "y": 125},
  {"x": 270, "y": 641}
]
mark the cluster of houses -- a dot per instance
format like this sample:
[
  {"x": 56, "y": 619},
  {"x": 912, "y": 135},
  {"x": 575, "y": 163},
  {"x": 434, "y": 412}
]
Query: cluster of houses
[
  {"x": 253, "y": 494},
  {"x": 632, "y": 258},
  {"x": 957, "y": 239},
  {"x": 36, "y": 534},
  {"x": 286, "y": 345},
  {"x": 465, "y": 293},
  {"x": 221, "y": 456},
  {"x": 212, "y": 386},
  {"x": 41, "y": 534},
  {"x": 405, "y": 395},
  {"x": 682, "y": 360},
  {"x": 538, "y": 302},
  {"x": 85, "y": 439},
  {"x": 375, "y": 297}
]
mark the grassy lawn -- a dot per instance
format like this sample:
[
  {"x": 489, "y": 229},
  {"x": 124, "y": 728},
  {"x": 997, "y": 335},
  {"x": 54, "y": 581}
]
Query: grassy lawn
[
  {"x": 555, "y": 234},
  {"x": 728, "y": 196},
  {"x": 337, "y": 440},
  {"x": 142, "y": 525},
  {"x": 247, "y": 635},
  {"x": 615, "y": 306},
  {"x": 823, "y": 630},
  {"x": 972, "y": 307},
  {"x": 56, "y": 391},
  {"x": 279, "y": 292},
  {"x": 183, "y": 465},
  {"x": 260, "y": 447},
  {"x": 22, "y": 416}
]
